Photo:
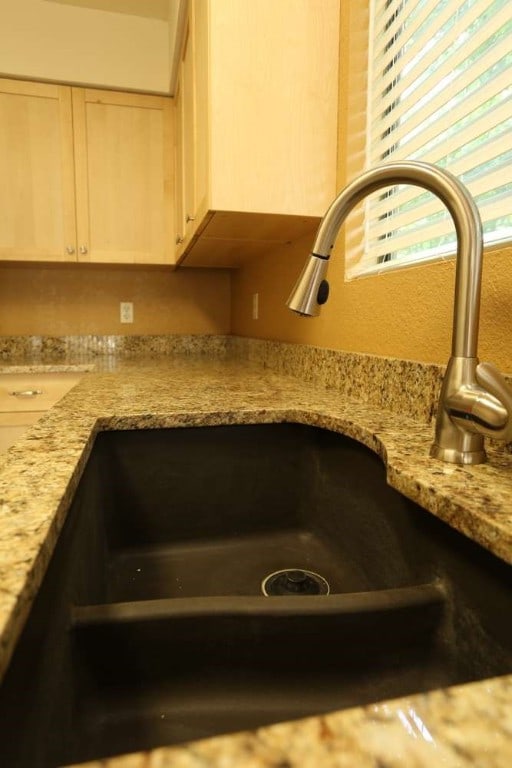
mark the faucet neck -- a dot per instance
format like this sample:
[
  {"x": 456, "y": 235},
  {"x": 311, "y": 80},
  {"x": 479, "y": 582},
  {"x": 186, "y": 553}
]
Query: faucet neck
[{"x": 467, "y": 223}]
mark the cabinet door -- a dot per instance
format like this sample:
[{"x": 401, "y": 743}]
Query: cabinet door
[
  {"x": 124, "y": 167},
  {"x": 200, "y": 20},
  {"x": 179, "y": 165},
  {"x": 192, "y": 127},
  {"x": 189, "y": 133},
  {"x": 37, "y": 203}
]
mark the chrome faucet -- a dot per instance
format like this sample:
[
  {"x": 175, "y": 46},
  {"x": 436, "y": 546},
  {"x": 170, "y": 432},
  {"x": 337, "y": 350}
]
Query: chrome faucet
[{"x": 475, "y": 400}]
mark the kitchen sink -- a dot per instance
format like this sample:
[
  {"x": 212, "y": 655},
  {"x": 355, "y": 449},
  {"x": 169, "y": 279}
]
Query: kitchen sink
[{"x": 152, "y": 626}]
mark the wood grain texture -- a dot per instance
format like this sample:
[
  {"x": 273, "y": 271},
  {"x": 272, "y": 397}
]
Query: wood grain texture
[
  {"x": 274, "y": 91},
  {"x": 37, "y": 213},
  {"x": 263, "y": 113},
  {"x": 124, "y": 158}
]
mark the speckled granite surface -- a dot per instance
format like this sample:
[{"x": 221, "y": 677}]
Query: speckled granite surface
[
  {"x": 51, "y": 349},
  {"x": 467, "y": 726},
  {"x": 455, "y": 728},
  {"x": 400, "y": 386}
]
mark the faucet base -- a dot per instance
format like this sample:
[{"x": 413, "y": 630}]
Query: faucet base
[
  {"x": 454, "y": 443},
  {"x": 454, "y": 456}
]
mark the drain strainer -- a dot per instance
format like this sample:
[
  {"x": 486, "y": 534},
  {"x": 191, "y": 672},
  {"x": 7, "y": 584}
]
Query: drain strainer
[{"x": 294, "y": 581}]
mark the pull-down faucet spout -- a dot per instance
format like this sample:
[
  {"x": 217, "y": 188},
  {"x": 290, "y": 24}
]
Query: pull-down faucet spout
[{"x": 475, "y": 400}]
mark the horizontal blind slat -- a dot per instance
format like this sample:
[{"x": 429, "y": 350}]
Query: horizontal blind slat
[
  {"x": 428, "y": 55},
  {"x": 399, "y": 66},
  {"x": 440, "y": 90},
  {"x": 392, "y": 37},
  {"x": 442, "y": 113},
  {"x": 501, "y": 145},
  {"x": 443, "y": 83},
  {"x": 432, "y": 204},
  {"x": 434, "y": 144}
]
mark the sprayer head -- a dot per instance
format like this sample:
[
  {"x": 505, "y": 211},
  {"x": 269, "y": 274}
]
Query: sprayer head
[{"x": 311, "y": 289}]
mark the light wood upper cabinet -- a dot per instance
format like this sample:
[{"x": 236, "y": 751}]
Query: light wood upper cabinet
[
  {"x": 37, "y": 188},
  {"x": 191, "y": 120},
  {"x": 261, "y": 85},
  {"x": 189, "y": 132},
  {"x": 123, "y": 161},
  {"x": 87, "y": 175},
  {"x": 241, "y": 160},
  {"x": 179, "y": 168}
]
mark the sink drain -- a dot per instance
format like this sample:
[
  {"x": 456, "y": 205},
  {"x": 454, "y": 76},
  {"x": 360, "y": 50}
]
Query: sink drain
[{"x": 294, "y": 581}]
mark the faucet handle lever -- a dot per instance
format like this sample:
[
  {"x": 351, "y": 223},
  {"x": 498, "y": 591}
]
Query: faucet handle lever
[{"x": 490, "y": 379}]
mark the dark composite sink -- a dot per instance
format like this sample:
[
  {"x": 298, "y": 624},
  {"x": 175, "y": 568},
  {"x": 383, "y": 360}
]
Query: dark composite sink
[{"x": 151, "y": 626}]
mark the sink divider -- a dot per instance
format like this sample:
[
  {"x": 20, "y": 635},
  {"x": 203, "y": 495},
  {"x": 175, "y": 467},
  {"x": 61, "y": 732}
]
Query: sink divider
[{"x": 376, "y": 601}]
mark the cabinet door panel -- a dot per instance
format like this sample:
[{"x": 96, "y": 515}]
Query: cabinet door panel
[
  {"x": 192, "y": 109},
  {"x": 123, "y": 156},
  {"x": 37, "y": 210},
  {"x": 179, "y": 158},
  {"x": 189, "y": 134},
  {"x": 200, "y": 13}
]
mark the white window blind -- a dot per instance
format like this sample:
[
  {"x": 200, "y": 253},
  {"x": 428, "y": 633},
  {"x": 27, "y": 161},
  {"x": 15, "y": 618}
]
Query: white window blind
[{"x": 439, "y": 90}]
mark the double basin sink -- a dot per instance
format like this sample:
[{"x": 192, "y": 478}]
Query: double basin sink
[{"x": 212, "y": 579}]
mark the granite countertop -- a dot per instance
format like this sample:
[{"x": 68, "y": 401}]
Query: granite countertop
[{"x": 467, "y": 725}]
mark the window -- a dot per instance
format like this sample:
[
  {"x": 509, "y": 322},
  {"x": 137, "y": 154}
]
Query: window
[{"x": 439, "y": 90}]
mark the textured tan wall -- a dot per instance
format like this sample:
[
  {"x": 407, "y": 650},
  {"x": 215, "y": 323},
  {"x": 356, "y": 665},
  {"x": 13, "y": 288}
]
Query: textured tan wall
[
  {"x": 58, "y": 300},
  {"x": 407, "y": 313}
]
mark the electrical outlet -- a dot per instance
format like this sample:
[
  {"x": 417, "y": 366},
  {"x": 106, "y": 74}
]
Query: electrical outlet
[
  {"x": 255, "y": 306},
  {"x": 126, "y": 312}
]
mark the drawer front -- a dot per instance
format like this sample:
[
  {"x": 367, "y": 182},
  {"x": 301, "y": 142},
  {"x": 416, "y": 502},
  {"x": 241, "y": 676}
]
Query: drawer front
[
  {"x": 14, "y": 425},
  {"x": 34, "y": 391}
]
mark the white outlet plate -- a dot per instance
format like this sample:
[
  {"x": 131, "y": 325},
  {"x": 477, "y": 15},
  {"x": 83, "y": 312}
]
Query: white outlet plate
[{"x": 126, "y": 312}]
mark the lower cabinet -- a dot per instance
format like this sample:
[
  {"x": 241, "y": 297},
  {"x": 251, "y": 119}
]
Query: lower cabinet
[{"x": 25, "y": 397}]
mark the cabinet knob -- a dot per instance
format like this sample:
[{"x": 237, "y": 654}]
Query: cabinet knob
[
  {"x": 83, "y": 249},
  {"x": 188, "y": 218},
  {"x": 70, "y": 250},
  {"x": 179, "y": 239}
]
